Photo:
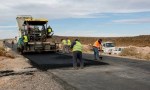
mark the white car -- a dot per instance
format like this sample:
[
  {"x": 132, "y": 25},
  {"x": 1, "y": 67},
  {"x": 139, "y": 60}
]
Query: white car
[
  {"x": 108, "y": 47},
  {"x": 117, "y": 51}
]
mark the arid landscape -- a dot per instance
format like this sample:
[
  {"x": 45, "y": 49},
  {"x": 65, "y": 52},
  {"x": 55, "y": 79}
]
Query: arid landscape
[
  {"x": 75, "y": 45},
  {"x": 16, "y": 73},
  {"x": 139, "y": 41},
  {"x": 135, "y": 47},
  {"x": 20, "y": 73}
]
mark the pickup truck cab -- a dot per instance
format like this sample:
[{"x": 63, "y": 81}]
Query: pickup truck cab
[{"x": 108, "y": 47}]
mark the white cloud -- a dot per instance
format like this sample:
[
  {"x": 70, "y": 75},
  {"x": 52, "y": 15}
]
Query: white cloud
[
  {"x": 93, "y": 33},
  {"x": 2, "y": 27},
  {"x": 133, "y": 21},
  {"x": 4, "y": 34},
  {"x": 71, "y": 8},
  {"x": 56, "y": 9}
]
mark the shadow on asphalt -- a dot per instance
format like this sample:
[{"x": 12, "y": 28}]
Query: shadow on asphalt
[{"x": 52, "y": 60}]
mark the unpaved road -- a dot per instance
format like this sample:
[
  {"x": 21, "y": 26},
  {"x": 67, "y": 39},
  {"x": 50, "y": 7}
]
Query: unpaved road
[{"x": 112, "y": 73}]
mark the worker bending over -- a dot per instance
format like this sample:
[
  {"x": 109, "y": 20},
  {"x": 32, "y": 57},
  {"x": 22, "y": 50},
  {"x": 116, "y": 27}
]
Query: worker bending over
[
  {"x": 20, "y": 44},
  {"x": 64, "y": 45},
  {"x": 12, "y": 43},
  {"x": 76, "y": 47},
  {"x": 97, "y": 46},
  {"x": 68, "y": 45}
]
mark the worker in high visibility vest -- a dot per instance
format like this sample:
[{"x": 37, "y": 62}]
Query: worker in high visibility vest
[
  {"x": 64, "y": 45},
  {"x": 68, "y": 45},
  {"x": 25, "y": 40},
  {"x": 76, "y": 47},
  {"x": 97, "y": 46},
  {"x": 12, "y": 43},
  {"x": 49, "y": 31},
  {"x": 4, "y": 43},
  {"x": 20, "y": 44}
]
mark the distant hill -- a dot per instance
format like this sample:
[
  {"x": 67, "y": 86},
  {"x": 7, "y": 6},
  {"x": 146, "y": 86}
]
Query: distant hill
[{"x": 142, "y": 40}]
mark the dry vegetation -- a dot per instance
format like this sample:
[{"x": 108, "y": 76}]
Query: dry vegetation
[
  {"x": 147, "y": 56},
  {"x": 132, "y": 52},
  {"x": 2, "y": 51},
  {"x": 5, "y": 52},
  {"x": 140, "y": 41}
]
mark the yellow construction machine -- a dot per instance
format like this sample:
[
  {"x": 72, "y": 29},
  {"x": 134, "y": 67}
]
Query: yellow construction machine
[{"x": 36, "y": 31}]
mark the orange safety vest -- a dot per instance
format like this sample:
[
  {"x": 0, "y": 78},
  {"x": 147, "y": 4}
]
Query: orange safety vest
[{"x": 97, "y": 44}]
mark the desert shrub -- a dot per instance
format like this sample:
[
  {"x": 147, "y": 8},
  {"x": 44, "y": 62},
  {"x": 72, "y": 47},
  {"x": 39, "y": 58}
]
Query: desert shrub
[
  {"x": 139, "y": 55},
  {"x": 2, "y": 51},
  {"x": 87, "y": 48},
  {"x": 141, "y": 41},
  {"x": 128, "y": 52},
  {"x": 10, "y": 55},
  {"x": 131, "y": 52},
  {"x": 147, "y": 56}
]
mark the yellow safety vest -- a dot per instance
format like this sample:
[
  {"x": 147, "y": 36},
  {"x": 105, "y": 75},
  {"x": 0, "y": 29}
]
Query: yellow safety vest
[
  {"x": 64, "y": 42},
  {"x": 49, "y": 30},
  {"x": 25, "y": 38},
  {"x": 77, "y": 46},
  {"x": 68, "y": 42}
]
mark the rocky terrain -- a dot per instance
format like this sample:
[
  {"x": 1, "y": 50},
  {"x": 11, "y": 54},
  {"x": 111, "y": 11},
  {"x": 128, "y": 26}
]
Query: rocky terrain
[{"x": 17, "y": 74}]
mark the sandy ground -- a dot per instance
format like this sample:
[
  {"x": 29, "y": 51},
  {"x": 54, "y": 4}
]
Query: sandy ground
[
  {"x": 1, "y": 43},
  {"x": 144, "y": 51},
  {"x": 17, "y": 74}
]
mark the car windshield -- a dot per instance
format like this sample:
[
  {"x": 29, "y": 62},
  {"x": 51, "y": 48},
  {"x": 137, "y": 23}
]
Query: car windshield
[{"x": 110, "y": 45}]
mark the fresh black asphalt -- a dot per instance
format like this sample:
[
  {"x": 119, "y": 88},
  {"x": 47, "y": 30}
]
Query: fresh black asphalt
[{"x": 112, "y": 73}]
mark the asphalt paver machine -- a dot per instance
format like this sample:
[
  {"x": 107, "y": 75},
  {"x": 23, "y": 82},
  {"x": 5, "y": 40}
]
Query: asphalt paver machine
[{"x": 36, "y": 31}]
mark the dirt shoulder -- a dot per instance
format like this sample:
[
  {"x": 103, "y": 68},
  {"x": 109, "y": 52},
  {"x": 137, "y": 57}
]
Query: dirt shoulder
[
  {"x": 18, "y": 74},
  {"x": 132, "y": 52}
]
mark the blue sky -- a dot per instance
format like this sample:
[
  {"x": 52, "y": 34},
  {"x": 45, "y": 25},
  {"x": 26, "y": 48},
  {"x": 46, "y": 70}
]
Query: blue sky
[
  {"x": 111, "y": 25},
  {"x": 93, "y": 18}
]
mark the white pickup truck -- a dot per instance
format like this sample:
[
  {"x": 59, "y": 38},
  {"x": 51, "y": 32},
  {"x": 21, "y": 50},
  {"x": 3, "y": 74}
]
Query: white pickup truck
[{"x": 109, "y": 48}]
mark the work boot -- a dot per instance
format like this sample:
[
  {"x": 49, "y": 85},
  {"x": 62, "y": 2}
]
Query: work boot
[
  {"x": 95, "y": 59},
  {"x": 81, "y": 67},
  {"x": 100, "y": 58},
  {"x": 75, "y": 68}
]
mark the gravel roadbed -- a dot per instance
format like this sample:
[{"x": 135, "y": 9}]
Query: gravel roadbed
[{"x": 18, "y": 74}]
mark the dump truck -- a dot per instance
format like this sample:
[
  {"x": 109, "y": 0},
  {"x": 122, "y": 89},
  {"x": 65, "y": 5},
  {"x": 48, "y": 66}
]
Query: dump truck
[{"x": 36, "y": 31}]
